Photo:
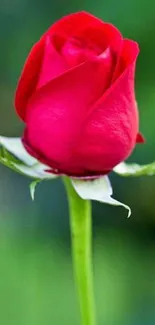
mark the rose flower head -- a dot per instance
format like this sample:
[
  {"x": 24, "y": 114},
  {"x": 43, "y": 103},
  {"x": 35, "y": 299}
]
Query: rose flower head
[{"x": 76, "y": 96}]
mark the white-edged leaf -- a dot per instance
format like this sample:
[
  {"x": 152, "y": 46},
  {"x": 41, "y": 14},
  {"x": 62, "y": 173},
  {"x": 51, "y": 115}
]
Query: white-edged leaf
[
  {"x": 127, "y": 169},
  {"x": 14, "y": 156},
  {"x": 99, "y": 190},
  {"x": 33, "y": 188},
  {"x": 38, "y": 171},
  {"x": 15, "y": 147}
]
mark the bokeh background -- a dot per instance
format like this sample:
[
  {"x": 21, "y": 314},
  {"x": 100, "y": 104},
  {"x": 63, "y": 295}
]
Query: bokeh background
[{"x": 36, "y": 280}]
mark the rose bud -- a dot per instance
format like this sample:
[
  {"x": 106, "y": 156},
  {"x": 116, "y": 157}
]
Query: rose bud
[{"x": 76, "y": 96}]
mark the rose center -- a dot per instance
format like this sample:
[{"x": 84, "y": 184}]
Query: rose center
[{"x": 76, "y": 51}]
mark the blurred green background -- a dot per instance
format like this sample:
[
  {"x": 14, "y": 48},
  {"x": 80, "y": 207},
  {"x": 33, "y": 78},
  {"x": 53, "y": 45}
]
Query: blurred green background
[{"x": 36, "y": 280}]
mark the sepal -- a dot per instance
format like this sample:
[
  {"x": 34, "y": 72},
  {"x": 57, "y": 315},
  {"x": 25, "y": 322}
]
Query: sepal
[
  {"x": 99, "y": 189},
  {"x": 33, "y": 187},
  {"x": 14, "y": 156},
  {"x": 135, "y": 170}
]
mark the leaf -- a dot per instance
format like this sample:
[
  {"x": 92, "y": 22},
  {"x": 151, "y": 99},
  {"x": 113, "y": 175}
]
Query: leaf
[
  {"x": 14, "y": 156},
  {"x": 135, "y": 170},
  {"x": 99, "y": 190},
  {"x": 33, "y": 188}
]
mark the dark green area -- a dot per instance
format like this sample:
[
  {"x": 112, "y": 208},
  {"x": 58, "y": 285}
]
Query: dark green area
[{"x": 36, "y": 281}]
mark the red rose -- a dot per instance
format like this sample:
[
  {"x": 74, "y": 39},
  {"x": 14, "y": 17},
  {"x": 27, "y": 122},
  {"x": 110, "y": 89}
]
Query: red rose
[{"x": 76, "y": 97}]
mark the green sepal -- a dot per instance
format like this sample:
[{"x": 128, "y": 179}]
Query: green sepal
[
  {"x": 99, "y": 189},
  {"x": 14, "y": 156},
  {"x": 135, "y": 170},
  {"x": 33, "y": 187}
]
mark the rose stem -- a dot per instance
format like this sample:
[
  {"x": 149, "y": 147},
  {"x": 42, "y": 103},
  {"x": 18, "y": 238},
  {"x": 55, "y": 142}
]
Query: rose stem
[{"x": 81, "y": 237}]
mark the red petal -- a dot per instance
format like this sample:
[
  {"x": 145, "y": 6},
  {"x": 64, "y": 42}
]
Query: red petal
[
  {"x": 53, "y": 64},
  {"x": 110, "y": 130},
  {"x": 140, "y": 138},
  {"x": 29, "y": 78},
  {"x": 71, "y": 24},
  {"x": 57, "y": 110},
  {"x": 127, "y": 56},
  {"x": 85, "y": 25},
  {"x": 42, "y": 65},
  {"x": 102, "y": 34}
]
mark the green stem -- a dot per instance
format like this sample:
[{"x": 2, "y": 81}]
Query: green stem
[{"x": 81, "y": 235}]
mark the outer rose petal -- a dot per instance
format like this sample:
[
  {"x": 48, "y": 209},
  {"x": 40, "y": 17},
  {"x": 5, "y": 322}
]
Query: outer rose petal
[
  {"x": 42, "y": 65},
  {"x": 109, "y": 134},
  {"x": 129, "y": 51},
  {"x": 56, "y": 111},
  {"x": 29, "y": 78},
  {"x": 128, "y": 55}
]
